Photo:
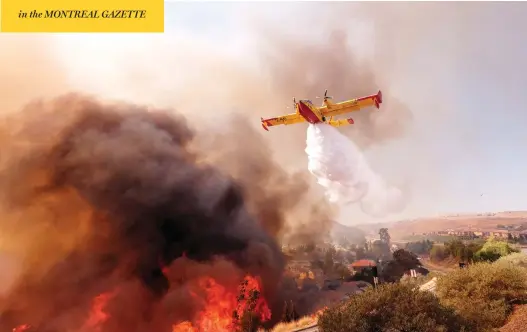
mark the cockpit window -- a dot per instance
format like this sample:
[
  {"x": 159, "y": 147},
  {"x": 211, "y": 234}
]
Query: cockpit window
[{"x": 309, "y": 101}]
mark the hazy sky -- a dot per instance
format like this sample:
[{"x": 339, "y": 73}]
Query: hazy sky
[{"x": 460, "y": 68}]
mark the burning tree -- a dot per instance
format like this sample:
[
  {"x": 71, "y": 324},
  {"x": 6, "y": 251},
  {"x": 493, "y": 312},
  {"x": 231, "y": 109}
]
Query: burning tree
[{"x": 251, "y": 310}]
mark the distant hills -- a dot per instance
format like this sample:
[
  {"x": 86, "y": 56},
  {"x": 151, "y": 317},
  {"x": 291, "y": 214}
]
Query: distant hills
[
  {"x": 352, "y": 233},
  {"x": 487, "y": 221}
]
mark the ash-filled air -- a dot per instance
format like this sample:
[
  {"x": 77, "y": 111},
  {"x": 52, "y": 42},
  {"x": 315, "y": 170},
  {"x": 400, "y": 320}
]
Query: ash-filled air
[
  {"x": 109, "y": 200},
  {"x": 342, "y": 169}
]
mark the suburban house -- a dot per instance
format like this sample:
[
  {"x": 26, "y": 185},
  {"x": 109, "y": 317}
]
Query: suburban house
[{"x": 362, "y": 264}]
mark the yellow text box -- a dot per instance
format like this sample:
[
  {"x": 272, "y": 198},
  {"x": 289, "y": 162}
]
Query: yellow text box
[{"x": 82, "y": 16}]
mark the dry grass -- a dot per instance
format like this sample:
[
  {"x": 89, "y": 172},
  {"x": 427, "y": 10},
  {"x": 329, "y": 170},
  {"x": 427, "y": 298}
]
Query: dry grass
[
  {"x": 517, "y": 259},
  {"x": 303, "y": 322}
]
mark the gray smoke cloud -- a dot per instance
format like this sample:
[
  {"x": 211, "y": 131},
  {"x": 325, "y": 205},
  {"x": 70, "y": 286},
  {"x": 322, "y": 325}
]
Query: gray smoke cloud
[{"x": 112, "y": 197}]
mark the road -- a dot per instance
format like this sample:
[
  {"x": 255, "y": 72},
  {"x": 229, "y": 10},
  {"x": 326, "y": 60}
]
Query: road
[
  {"x": 308, "y": 329},
  {"x": 434, "y": 267}
]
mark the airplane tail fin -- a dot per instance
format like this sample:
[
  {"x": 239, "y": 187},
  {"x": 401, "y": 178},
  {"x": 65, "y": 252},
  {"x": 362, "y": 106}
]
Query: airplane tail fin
[
  {"x": 378, "y": 99},
  {"x": 264, "y": 126}
]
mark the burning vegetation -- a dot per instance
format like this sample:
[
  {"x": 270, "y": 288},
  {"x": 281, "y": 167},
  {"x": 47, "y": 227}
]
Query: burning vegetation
[{"x": 118, "y": 225}]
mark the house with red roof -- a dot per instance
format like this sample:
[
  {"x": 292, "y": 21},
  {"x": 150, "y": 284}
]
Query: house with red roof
[{"x": 362, "y": 264}]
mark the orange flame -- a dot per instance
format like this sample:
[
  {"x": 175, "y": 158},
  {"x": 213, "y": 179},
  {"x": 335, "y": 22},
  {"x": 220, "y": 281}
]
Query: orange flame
[
  {"x": 318, "y": 312},
  {"x": 22, "y": 328},
  {"x": 220, "y": 305},
  {"x": 94, "y": 321},
  {"x": 97, "y": 314}
]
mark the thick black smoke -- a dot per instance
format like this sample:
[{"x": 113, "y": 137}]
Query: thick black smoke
[{"x": 146, "y": 200}]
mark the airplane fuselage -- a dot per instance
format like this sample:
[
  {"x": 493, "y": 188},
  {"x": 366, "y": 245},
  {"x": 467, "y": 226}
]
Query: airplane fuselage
[
  {"x": 305, "y": 111},
  {"x": 309, "y": 112}
]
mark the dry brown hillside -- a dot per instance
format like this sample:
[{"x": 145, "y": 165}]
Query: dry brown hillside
[{"x": 475, "y": 222}]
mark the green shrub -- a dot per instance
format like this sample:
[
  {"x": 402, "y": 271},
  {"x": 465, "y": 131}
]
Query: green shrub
[
  {"x": 390, "y": 307},
  {"x": 482, "y": 294},
  {"x": 492, "y": 250},
  {"x": 461, "y": 251}
]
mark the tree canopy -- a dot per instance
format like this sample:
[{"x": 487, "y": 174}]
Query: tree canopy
[
  {"x": 492, "y": 250},
  {"x": 384, "y": 235}
]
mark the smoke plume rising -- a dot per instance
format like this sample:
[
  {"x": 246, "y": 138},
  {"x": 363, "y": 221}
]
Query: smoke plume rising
[
  {"x": 341, "y": 168},
  {"x": 267, "y": 186},
  {"x": 113, "y": 198}
]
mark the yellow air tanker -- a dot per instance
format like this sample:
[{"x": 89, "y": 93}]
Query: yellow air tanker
[{"x": 306, "y": 111}]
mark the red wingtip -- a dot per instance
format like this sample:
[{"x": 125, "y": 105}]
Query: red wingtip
[
  {"x": 350, "y": 121},
  {"x": 379, "y": 96}
]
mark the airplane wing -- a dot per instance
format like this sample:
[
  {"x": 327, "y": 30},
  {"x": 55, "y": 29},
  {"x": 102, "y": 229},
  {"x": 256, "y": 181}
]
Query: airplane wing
[
  {"x": 282, "y": 120},
  {"x": 352, "y": 105}
]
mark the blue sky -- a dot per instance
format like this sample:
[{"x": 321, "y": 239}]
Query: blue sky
[{"x": 460, "y": 67}]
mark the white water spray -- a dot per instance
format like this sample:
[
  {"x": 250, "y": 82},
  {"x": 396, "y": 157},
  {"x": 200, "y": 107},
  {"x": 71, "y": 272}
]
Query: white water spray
[{"x": 343, "y": 171}]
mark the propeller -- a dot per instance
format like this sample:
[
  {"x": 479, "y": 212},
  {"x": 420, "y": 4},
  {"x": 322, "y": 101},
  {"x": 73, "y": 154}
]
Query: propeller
[
  {"x": 325, "y": 95},
  {"x": 294, "y": 103}
]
